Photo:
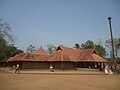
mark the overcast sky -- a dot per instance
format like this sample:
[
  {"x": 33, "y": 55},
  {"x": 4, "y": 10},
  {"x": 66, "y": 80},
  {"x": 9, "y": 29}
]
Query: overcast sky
[{"x": 60, "y": 22}]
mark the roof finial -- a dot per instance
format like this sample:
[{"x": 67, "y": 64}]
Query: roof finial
[{"x": 41, "y": 46}]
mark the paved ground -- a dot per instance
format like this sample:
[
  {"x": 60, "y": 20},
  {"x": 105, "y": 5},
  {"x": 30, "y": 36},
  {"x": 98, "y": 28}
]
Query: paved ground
[{"x": 45, "y": 81}]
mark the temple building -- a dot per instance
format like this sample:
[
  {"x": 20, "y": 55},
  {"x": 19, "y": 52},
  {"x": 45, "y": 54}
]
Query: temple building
[{"x": 62, "y": 58}]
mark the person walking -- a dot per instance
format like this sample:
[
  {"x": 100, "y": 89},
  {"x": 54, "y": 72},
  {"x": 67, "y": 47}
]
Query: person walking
[
  {"x": 17, "y": 69},
  {"x": 107, "y": 69}
]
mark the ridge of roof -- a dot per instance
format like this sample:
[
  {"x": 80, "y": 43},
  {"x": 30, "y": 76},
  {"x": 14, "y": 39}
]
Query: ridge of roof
[
  {"x": 61, "y": 47},
  {"x": 64, "y": 47}
]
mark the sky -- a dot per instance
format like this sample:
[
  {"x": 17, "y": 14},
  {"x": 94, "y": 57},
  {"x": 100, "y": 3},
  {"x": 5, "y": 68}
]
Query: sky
[{"x": 60, "y": 22}]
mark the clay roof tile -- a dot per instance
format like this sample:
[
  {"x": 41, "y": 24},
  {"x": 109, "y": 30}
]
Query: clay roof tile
[{"x": 41, "y": 51}]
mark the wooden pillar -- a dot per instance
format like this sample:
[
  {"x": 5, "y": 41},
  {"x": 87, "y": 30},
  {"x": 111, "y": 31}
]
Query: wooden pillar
[
  {"x": 51, "y": 64},
  {"x": 61, "y": 66},
  {"x": 100, "y": 66},
  {"x": 75, "y": 65}
]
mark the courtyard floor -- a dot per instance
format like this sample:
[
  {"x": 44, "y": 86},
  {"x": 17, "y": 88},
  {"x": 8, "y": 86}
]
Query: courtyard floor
[{"x": 58, "y": 80}]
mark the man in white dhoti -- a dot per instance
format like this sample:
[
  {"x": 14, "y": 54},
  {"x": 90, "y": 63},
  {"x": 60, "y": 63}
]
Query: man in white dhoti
[{"x": 106, "y": 69}]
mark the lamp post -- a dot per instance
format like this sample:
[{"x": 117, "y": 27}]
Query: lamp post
[{"x": 113, "y": 50}]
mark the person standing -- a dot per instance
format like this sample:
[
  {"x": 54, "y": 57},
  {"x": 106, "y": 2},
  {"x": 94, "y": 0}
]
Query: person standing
[
  {"x": 110, "y": 70},
  {"x": 17, "y": 69},
  {"x": 107, "y": 69}
]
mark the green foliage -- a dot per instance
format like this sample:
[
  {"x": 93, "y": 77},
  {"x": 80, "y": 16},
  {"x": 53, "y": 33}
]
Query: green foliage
[
  {"x": 7, "y": 50},
  {"x": 30, "y": 48},
  {"x": 2, "y": 43},
  {"x": 77, "y": 46},
  {"x": 51, "y": 48},
  {"x": 116, "y": 45},
  {"x": 11, "y": 50},
  {"x": 87, "y": 45},
  {"x": 100, "y": 50},
  {"x": 2, "y": 48},
  {"x": 5, "y": 32}
]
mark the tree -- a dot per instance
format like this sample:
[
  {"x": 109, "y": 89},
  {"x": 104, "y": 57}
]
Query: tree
[
  {"x": 11, "y": 50},
  {"x": 51, "y": 48},
  {"x": 30, "y": 48},
  {"x": 100, "y": 50},
  {"x": 77, "y": 46},
  {"x": 116, "y": 45},
  {"x": 88, "y": 45},
  {"x": 7, "y": 50},
  {"x": 2, "y": 43},
  {"x": 5, "y": 32},
  {"x": 2, "y": 48}
]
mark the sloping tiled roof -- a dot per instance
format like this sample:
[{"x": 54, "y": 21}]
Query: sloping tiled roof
[
  {"x": 62, "y": 54},
  {"x": 76, "y": 55},
  {"x": 4, "y": 60},
  {"x": 56, "y": 56},
  {"x": 41, "y": 51},
  {"x": 93, "y": 58},
  {"x": 39, "y": 55},
  {"x": 29, "y": 57}
]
